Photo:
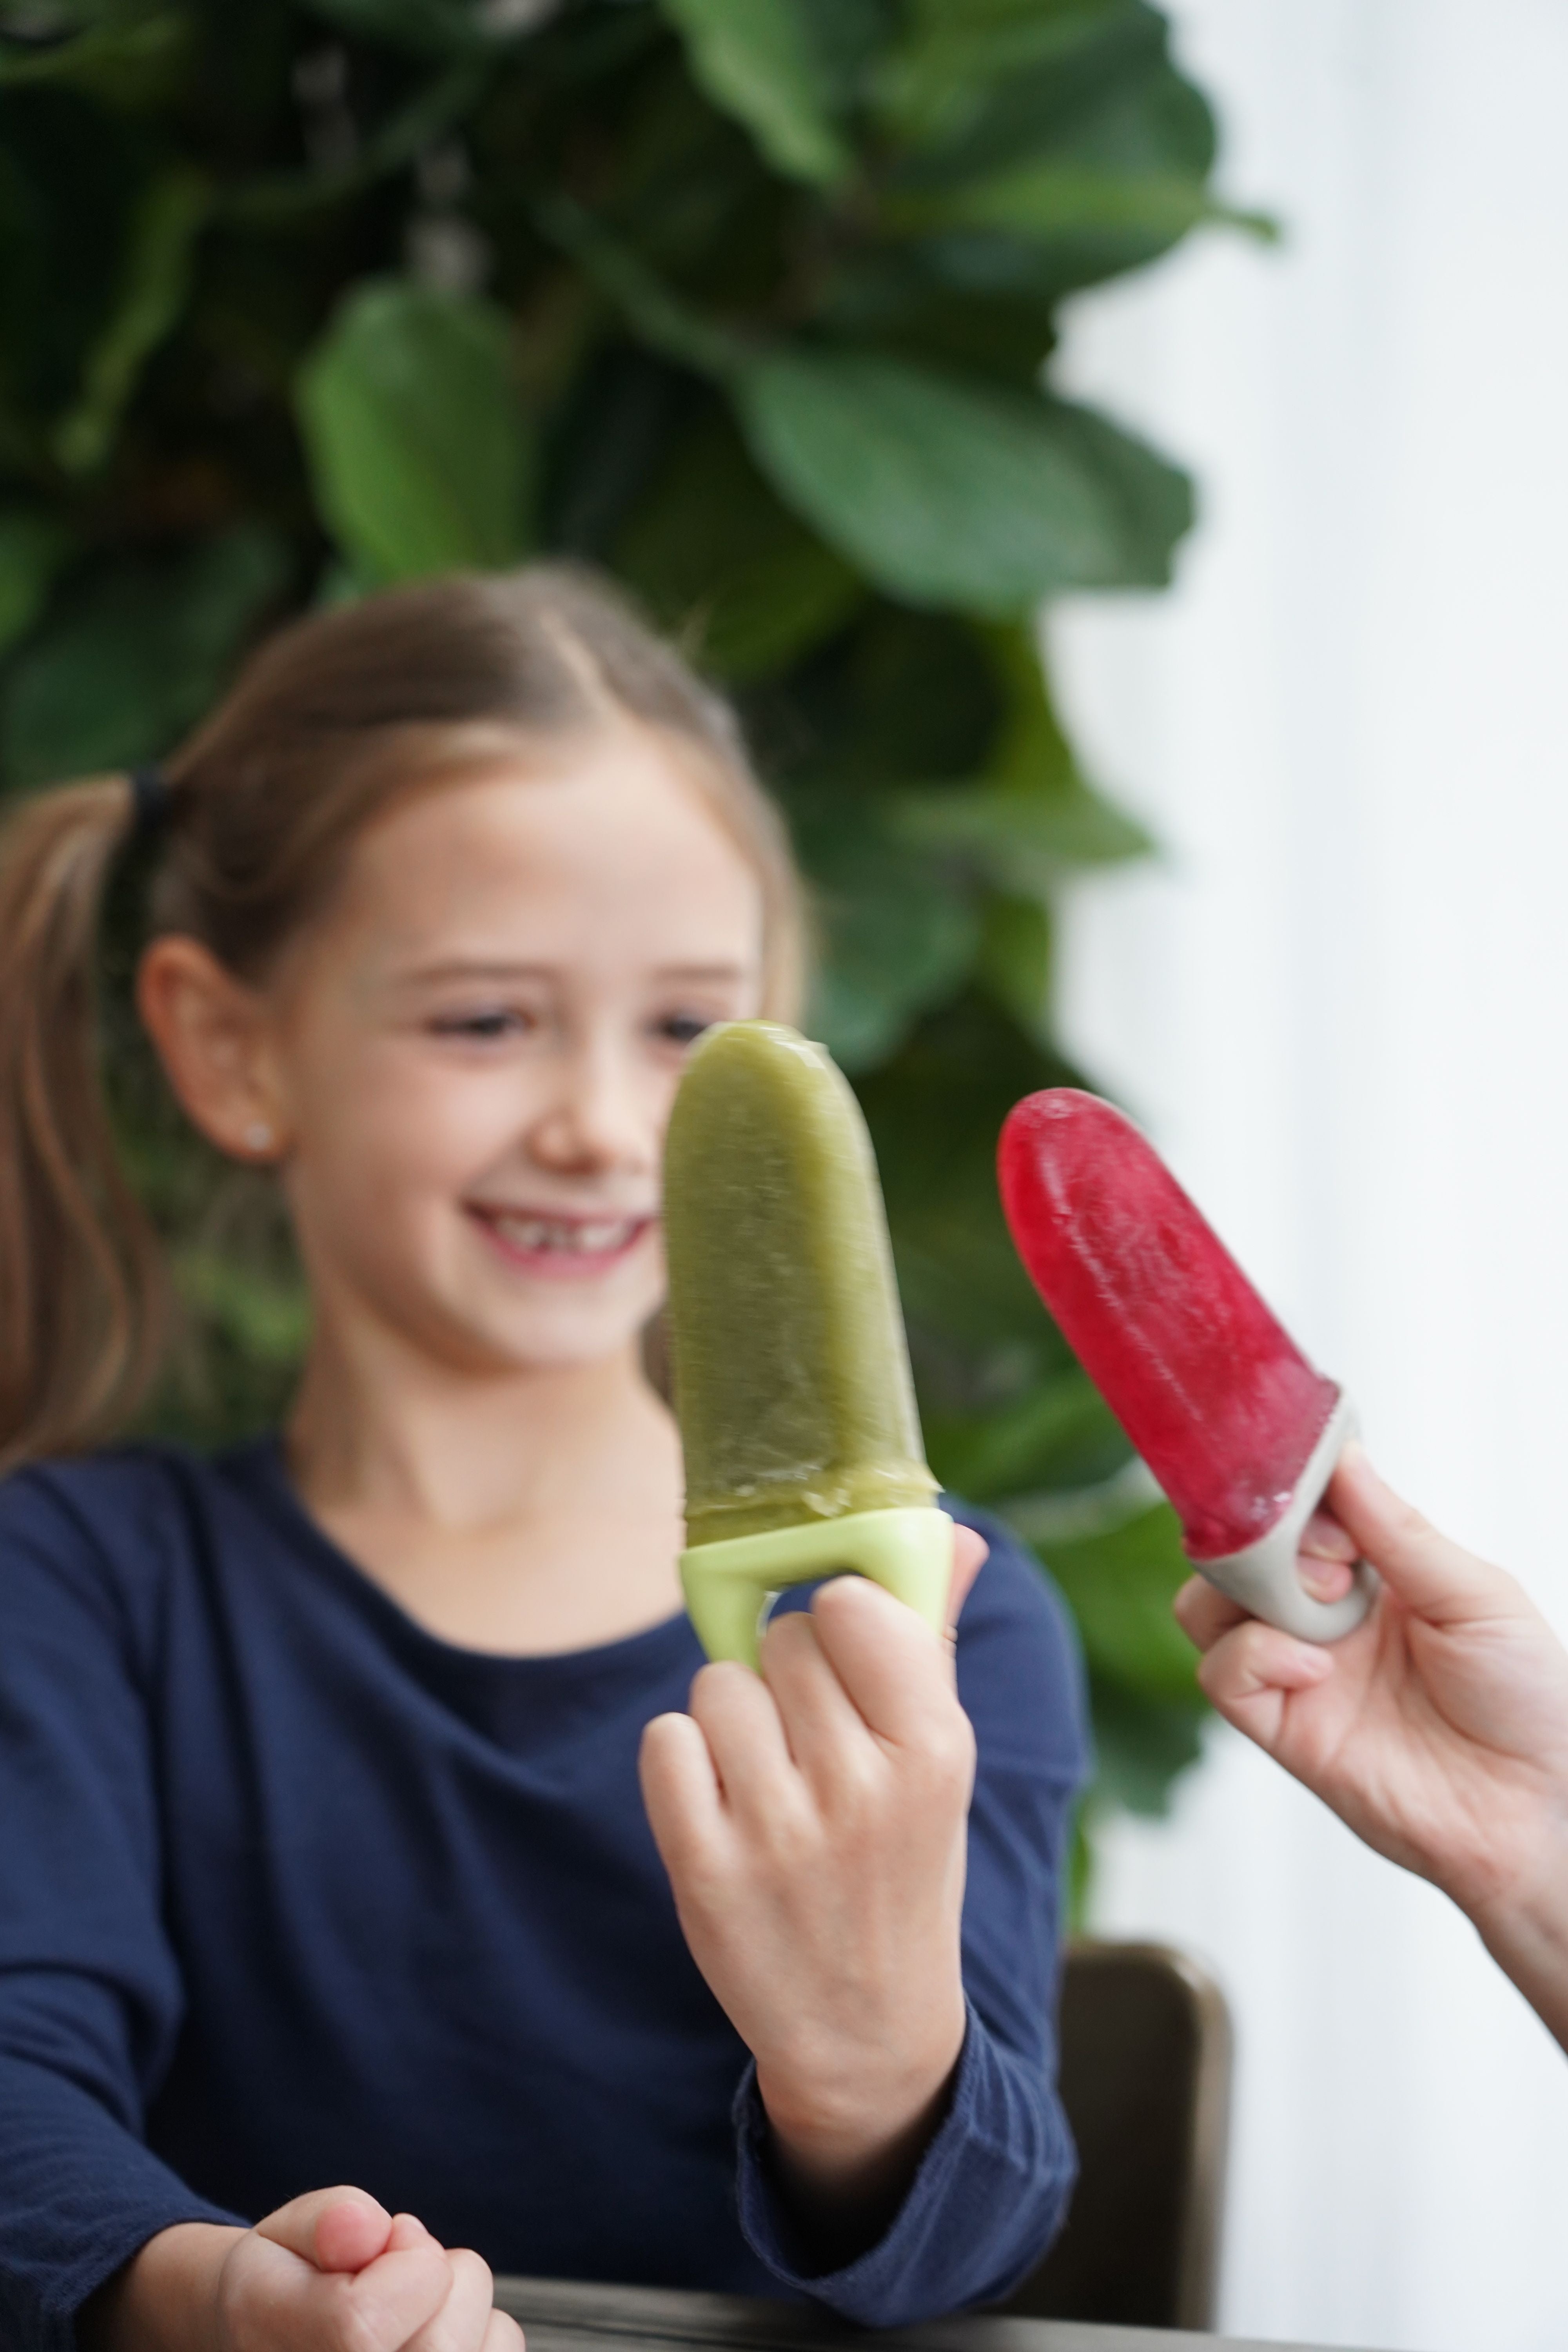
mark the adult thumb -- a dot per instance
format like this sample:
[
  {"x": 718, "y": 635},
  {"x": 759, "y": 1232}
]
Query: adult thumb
[{"x": 1432, "y": 1576}]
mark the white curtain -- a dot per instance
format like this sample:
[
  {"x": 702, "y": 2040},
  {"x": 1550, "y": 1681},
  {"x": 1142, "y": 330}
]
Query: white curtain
[{"x": 1339, "y": 1001}]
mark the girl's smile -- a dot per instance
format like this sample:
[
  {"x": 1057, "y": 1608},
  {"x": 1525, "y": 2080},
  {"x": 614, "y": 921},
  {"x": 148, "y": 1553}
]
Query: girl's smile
[{"x": 562, "y": 1248}]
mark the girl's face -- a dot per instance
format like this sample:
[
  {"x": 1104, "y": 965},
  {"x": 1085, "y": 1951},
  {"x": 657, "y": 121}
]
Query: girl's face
[{"x": 477, "y": 1049}]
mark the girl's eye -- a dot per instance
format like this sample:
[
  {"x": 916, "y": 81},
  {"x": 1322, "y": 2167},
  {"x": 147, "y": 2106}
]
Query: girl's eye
[
  {"x": 489, "y": 1025},
  {"x": 683, "y": 1028}
]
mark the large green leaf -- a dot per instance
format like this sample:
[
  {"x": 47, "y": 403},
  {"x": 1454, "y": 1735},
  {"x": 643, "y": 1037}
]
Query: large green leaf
[
  {"x": 1016, "y": 960},
  {"x": 957, "y": 53},
  {"x": 1121, "y": 1581},
  {"x": 906, "y": 298},
  {"x": 981, "y": 1332},
  {"x": 1049, "y": 201},
  {"x": 1101, "y": 95},
  {"x": 760, "y": 63},
  {"x": 1030, "y": 818},
  {"x": 914, "y": 694},
  {"x": 716, "y": 556},
  {"x": 157, "y": 278},
  {"x": 949, "y": 491},
  {"x": 1059, "y": 1433},
  {"x": 1094, "y": 162},
  {"x": 135, "y": 657},
  {"x": 1142, "y": 1745},
  {"x": 422, "y": 456},
  {"x": 1021, "y": 838},
  {"x": 895, "y": 939}
]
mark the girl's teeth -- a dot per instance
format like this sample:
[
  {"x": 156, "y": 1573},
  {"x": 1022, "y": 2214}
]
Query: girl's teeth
[{"x": 550, "y": 1234}]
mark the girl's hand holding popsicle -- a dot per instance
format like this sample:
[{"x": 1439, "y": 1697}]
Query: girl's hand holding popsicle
[
  {"x": 812, "y": 1816},
  {"x": 813, "y": 1823}
]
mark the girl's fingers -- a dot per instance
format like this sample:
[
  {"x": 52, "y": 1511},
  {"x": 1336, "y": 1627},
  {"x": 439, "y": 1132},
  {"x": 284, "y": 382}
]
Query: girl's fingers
[
  {"x": 739, "y": 1718},
  {"x": 407, "y": 2230},
  {"x": 970, "y": 1553},
  {"x": 679, "y": 1789},
  {"x": 393, "y": 2297},
  {"x": 818, "y": 1717},
  {"x": 332, "y": 2229},
  {"x": 899, "y": 1676},
  {"x": 462, "y": 2324},
  {"x": 274, "y": 2294},
  {"x": 503, "y": 2335}
]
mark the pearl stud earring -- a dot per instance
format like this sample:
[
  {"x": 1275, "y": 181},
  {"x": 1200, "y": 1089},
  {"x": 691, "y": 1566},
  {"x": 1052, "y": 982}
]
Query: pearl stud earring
[{"x": 259, "y": 1136}]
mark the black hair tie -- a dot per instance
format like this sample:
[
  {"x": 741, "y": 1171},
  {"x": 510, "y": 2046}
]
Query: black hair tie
[{"x": 150, "y": 803}]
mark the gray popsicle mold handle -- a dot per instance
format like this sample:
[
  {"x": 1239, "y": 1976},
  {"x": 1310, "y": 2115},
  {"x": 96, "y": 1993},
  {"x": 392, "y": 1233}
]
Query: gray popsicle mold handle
[{"x": 1263, "y": 1577}]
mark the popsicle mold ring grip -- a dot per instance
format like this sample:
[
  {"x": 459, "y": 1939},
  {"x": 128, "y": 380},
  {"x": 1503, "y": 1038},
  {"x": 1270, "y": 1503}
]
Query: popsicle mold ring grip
[
  {"x": 1240, "y": 1430},
  {"x": 792, "y": 1375}
]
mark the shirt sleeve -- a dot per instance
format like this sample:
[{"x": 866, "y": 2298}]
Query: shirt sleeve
[
  {"x": 993, "y": 2186},
  {"x": 90, "y": 1993}
]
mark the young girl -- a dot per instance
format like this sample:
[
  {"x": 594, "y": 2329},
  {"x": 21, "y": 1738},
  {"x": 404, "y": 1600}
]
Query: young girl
[{"x": 325, "y": 1860}]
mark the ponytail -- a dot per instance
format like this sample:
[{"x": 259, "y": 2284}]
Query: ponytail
[{"x": 81, "y": 1283}]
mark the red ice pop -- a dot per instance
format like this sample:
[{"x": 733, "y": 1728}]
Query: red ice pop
[{"x": 1238, "y": 1428}]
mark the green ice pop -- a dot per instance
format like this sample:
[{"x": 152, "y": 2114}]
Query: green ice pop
[{"x": 792, "y": 1374}]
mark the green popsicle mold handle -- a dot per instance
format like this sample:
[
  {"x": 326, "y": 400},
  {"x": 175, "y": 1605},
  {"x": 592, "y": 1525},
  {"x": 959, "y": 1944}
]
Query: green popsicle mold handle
[{"x": 729, "y": 1584}]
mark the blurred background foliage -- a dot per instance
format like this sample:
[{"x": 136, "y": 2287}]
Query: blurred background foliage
[{"x": 751, "y": 301}]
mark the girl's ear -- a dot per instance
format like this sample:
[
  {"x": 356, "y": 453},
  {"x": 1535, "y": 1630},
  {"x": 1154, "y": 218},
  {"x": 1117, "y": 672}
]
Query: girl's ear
[{"x": 215, "y": 1041}]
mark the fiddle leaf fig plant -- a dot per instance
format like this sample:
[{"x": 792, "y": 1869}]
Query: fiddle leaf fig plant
[{"x": 752, "y": 302}]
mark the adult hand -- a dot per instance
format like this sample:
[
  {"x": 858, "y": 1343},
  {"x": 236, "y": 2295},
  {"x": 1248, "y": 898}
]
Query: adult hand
[
  {"x": 1439, "y": 1729},
  {"x": 331, "y": 2272},
  {"x": 813, "y": 1822}
]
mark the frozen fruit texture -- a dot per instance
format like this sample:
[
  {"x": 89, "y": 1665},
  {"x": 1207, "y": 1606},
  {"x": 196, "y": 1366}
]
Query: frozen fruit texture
[
  {"x": 791, "y": 1372},
  {"x": 1212, "y": 1390}
]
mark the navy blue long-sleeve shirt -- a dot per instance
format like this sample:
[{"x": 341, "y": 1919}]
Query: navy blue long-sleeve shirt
[{"x": 293, "y": 1893}]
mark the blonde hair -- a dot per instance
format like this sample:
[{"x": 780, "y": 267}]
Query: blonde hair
[{"x": 330, "y": 722}]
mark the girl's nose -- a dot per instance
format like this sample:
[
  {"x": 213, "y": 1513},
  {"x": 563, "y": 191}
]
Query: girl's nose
[{"x": 597, "y": 1116}]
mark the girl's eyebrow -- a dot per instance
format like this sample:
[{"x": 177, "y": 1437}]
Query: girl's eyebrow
[
  {"x": 428, "y": 975},
  {"x": 703, "y": 971},
  {"x": 498, "y": 968}
]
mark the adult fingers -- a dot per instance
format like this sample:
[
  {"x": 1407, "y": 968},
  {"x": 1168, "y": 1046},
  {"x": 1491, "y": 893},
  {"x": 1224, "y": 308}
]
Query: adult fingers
[
  {"x": 1324, "y": 1538},
  {"x": 1249, "y": 1671},
  {"x": 1436, "y": 1578},
  {"x": 970, "y": 1553},
  {"x": 333, "y": 2229},
  {"x": 1204, "y": 1613}
]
